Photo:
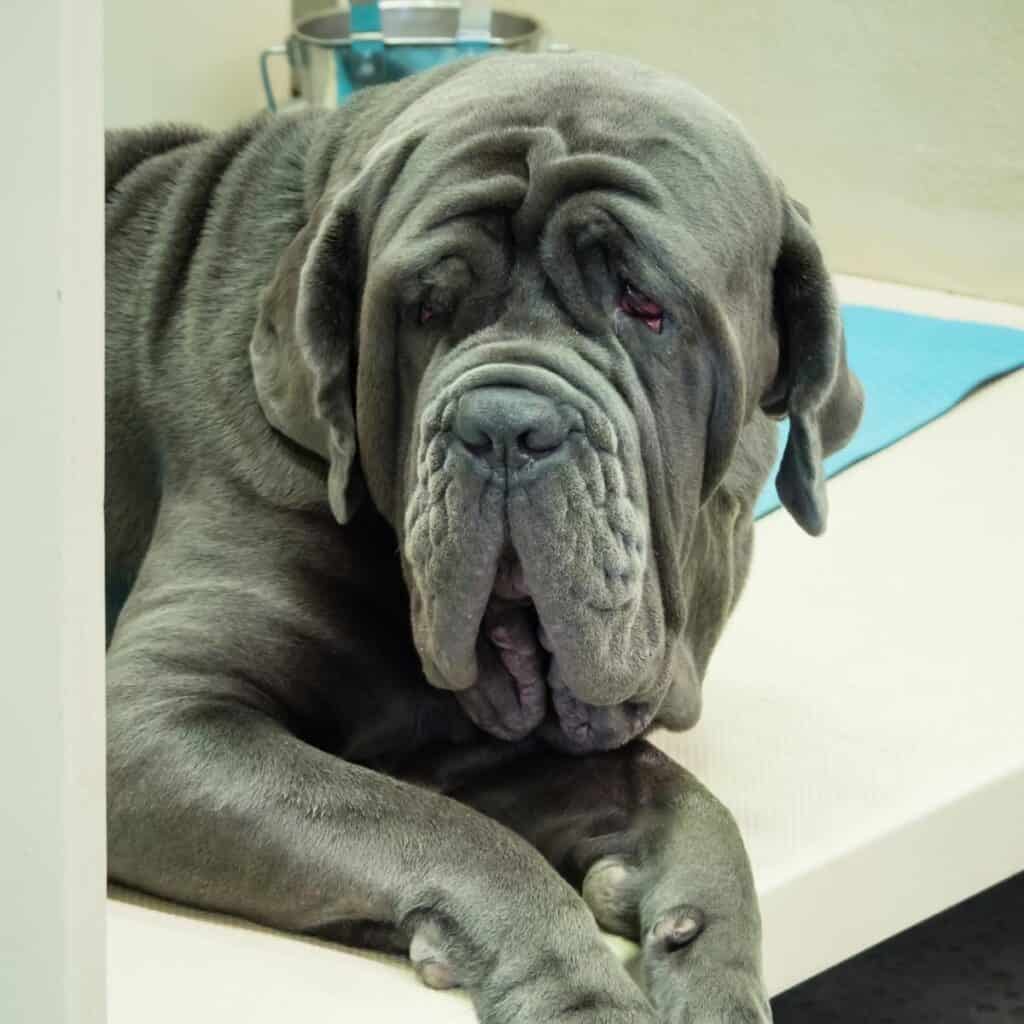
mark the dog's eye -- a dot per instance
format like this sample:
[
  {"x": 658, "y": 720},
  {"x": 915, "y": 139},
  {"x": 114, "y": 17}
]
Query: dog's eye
[
  {"x": 641, "y": 307},
  {"x": 435, "y": 311}
]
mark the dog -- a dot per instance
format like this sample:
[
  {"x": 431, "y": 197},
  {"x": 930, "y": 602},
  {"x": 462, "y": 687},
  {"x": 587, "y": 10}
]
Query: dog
[{"x": 435, "y": 427}]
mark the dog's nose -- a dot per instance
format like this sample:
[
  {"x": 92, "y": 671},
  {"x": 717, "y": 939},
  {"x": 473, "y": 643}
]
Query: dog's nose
[{"x": 514, "y": 427}]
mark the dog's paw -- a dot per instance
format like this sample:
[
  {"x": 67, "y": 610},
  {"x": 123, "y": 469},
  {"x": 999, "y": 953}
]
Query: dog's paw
[
  {"x": 691, "y": 984},
  {"x": 724, "y": 999},
  {"x": 585, "y": 1013}
]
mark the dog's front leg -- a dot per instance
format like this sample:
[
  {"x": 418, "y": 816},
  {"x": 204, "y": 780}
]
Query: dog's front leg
[
  {"x": 659, "y": 860},
  {"x": 215, "y": 801}
]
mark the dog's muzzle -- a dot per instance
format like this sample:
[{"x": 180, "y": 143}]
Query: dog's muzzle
[{"x": 526, "y": 552}]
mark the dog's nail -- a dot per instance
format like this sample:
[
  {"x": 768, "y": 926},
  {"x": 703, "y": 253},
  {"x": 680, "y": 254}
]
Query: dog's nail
[
  {"x": 435, "y": 975},
  {"x": 678, "y": 928},
  {"x": 428, "y": 958}
]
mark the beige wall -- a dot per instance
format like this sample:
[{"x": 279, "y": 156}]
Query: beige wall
[
  {"x": 188, "y": 60},
  {"x": 901, "y": 124},
  {"x": 898, "y": 123}
]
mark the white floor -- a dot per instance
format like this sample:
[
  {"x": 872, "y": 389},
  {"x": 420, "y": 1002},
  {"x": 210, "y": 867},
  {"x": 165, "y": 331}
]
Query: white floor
[{"x": 864, "y": 719}]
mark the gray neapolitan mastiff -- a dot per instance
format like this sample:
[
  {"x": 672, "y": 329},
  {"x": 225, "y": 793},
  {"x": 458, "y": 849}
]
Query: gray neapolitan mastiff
[{"x": 434, "y": 430}]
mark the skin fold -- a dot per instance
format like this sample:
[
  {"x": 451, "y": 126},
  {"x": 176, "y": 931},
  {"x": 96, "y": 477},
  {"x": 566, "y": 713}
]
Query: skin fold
[{"x": 434, "y": 429}]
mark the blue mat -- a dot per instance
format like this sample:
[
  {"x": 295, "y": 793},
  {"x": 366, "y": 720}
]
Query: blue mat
[{"x": 914, "y": 368}]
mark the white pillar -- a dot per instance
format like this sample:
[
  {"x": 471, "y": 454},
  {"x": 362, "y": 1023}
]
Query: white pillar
[{"x": 52, "y": 822}]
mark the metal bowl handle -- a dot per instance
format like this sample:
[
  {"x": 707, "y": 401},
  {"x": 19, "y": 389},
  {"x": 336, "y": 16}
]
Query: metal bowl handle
[{"x": 280, "y": 50}]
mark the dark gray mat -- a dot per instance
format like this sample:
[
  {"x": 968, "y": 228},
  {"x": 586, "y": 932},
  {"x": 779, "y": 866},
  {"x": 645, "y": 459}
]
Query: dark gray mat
[{"x": 964, "y": 966}]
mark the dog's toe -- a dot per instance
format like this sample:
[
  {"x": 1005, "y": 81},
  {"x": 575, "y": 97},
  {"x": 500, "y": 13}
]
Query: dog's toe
[
  {"x": 426, "y": 951},
  {"x": 679, "y": 927}
]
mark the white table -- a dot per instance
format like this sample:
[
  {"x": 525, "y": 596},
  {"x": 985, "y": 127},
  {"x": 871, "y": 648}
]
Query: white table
[{"x": 864, "y": 720}]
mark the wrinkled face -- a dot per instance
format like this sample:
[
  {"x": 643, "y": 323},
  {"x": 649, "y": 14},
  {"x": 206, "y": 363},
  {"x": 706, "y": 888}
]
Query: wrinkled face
[
  {"x": 545, "y": 371},
  {"x": 527, "y": 524},
  {"x": 527, "y": 528},
  {"x": 572, "y": 296},
  {"x": 534, "y": 329}
]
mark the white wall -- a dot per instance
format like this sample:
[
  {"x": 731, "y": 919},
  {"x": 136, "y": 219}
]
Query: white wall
[
  {"x": 52, "y": 869},
  {"x": 899, "y": 124}
]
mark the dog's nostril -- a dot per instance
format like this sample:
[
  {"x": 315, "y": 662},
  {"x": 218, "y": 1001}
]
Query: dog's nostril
[
  {"x": 481, "y": 448},
  {"x": 539, "y": 442},
  {"x": 470, "y": 431},
  {"x": 478, "y": 445}
]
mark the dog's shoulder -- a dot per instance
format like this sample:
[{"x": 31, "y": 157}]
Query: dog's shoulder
[{"x": 128, "y": 148}]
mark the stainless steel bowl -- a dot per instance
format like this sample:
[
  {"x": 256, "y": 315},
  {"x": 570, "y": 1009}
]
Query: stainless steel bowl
[{"x": 336, "y": 52}]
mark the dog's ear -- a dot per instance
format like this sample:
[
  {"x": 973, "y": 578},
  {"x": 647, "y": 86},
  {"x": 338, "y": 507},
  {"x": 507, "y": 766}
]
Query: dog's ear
[
  {"x": 728, "y": 400},
  {"x": 814, "y": 386},
  {"x": 303, "y": 347}
]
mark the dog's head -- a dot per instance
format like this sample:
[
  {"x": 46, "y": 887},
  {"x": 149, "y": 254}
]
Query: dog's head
[{"x": 542, "y": 312}]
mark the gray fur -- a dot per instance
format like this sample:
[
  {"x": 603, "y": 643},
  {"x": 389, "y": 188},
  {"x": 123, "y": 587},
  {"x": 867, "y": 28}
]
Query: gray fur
[{"x": 314, "y": 643}]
